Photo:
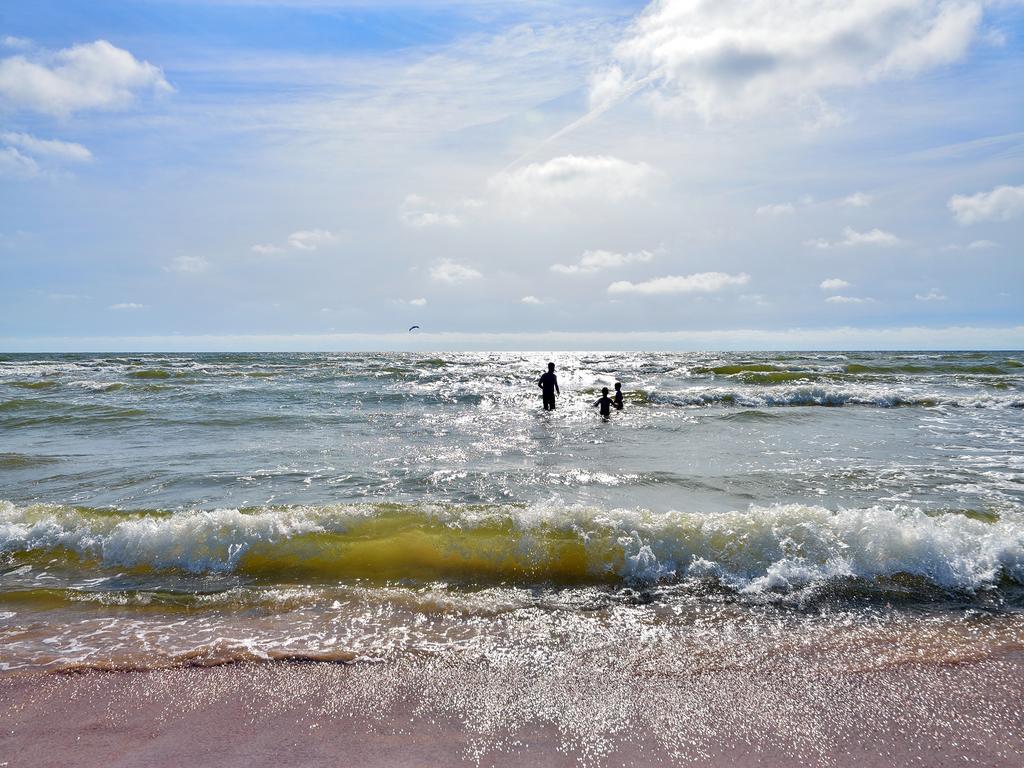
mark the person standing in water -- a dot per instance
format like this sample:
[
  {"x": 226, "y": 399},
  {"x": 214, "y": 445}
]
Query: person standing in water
[
  {"x": 617, "y": 400},
  {"x": 605, "y": 402},
  {"x": 548, "y": 383}
]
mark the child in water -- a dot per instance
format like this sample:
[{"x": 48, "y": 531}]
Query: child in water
[
  {"x": 605, "y": 402},
  {"x": 617, "y": 401}
]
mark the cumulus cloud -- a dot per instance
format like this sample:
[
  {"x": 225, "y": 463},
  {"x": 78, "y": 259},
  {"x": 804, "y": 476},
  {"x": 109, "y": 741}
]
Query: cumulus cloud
[
  {"x": 418, "y": 211},
  {"x": 776, "y": 209},
  {"x": 574, "y": 178},
  {"x": 595, "y": 261},
  {"x": 531, "y": 300},
  {"x": 858, "y": 200},
  {"x": 448, "y": 271},
  {"x": 311, "y": 239},
  {"x": 94, "y": 75},
  {"x": 849, "y": 300},
  {"x": 851, "y": 238},
  {"x": 188, "y": 264},
  {"x": 1000, "y": 204},
  {"x": 700, "y": 282},
  {"x": 721, "y": 58},
  {"x": 60, "y": 150},
  {"x": 933, "y": 295},
  {"x": 126, "y": 305},
  {"x": 834, "y": 284}
]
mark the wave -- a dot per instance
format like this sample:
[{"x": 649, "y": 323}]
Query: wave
[
  {"x": 770, "y": 548},
  {"x": 1009, "y": 365},
  {"x": 23, "y": 461},
  {"x": 879, "y": 397}
]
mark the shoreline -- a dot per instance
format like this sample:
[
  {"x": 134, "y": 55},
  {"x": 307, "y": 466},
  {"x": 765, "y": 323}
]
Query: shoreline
[{"x": 435, "y": 711}]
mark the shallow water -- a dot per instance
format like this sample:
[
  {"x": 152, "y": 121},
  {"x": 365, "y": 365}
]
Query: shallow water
[{"x": 161, "y": 508}]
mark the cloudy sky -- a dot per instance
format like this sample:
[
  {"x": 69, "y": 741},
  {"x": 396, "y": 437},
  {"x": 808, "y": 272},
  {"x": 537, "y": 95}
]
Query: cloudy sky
[{"x": 321, "y": 174}]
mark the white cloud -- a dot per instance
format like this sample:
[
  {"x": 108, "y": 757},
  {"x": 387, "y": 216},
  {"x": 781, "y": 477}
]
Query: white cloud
[
  {"x": 266, "y": 249},
  {"x": 757, "y": 299},
  {"x": 933, "y": 295},
  {"x": 595, "y": 261},
  {"x": 448, "y": 271},
  {"x": 127, "y": 305},
  {"x": 701, "y": 282},
  {"x": 418, "y": 211},
  {"x": 418, "y": 302},
  {"x": 834, "y": 284},
  {"x": 188, "y": 264},
  {"x": 61, "y": 150},
  {"x": 1000, "y": 204},
  {"x": 87, "y": 76},
  {"x": 777, "y": 209},
  {"x": 858, "y": 200},
  {"x": 311, "y": 239},
  {"x": 14, "y": 164},
  {"x": 531, "y": 300},
  {"x": 573, "y": 178},
  {"x": 741, "y": 57},
  {"x": 849, "y": 300},
  {"x": 974, "y": 245},
  {"x": 16, "y": 43},
  {"x": 851, "y": 237}
]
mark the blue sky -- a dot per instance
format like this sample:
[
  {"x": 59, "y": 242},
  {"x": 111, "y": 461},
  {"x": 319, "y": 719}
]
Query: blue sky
[{"x": 322, "y": 174}]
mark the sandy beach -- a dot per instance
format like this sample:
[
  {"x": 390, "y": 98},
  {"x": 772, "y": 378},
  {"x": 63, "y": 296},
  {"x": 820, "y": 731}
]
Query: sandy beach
[{"x": 419, "y": 712}]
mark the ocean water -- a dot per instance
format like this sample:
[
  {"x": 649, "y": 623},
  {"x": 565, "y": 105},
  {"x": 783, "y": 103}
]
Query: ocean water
[{"x": 157, "y": 510}]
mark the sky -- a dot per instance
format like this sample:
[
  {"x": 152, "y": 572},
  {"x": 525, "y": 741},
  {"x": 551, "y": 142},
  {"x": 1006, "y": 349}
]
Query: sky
[{"x": 182, "y": 175}]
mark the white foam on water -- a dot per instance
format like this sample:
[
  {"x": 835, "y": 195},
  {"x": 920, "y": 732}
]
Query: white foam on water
[{"x": 763, "y": 548}]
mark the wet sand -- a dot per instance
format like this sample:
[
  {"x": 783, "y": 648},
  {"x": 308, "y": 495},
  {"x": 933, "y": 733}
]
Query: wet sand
[{"x": 428, "y": 712}]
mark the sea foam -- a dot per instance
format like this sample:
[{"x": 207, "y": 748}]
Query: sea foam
[{"x": 762, "y": 548}]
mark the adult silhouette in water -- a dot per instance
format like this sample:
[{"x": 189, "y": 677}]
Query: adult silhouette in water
[
  {"x": 605, "y": 402},
  {"x": 548, "y": 383},
  {"x": 617, "y": 400}
]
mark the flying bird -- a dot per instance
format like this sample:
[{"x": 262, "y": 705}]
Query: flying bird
[{"x": 413, "y": 328}]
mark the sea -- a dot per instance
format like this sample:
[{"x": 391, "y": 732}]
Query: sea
[{"x": 161, "y": 510}]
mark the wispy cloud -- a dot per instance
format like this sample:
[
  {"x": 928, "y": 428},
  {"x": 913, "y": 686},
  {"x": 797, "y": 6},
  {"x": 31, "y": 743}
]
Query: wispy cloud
[
  {"x": 311, "y": 239},
  {"x": 700, "y": 282},
  {"x": 126, "y": 306},
  {"x": 858, "y": 200},
  {"x": 851, "y": 238},
  {"x": 776, "y": 209},
  {"x": 933, "y": 295},
  {"x": 573, "y": 178},
  {"x": 448, "y": 271},
  {"x": 417, "y": 211},
  {"x": 850, "y": 300},
  {"x": 14, "y": 164},
  {"x": 188, "y": 265},
  {"x": 61, "y": 150},
  {"x": 597, "y": 261}
]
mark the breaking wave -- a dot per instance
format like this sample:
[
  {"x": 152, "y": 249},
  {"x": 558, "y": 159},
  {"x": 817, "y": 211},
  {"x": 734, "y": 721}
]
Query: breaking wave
[{"x": 768, "y": 548}]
